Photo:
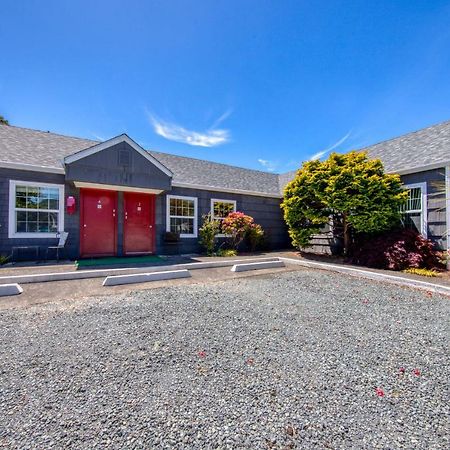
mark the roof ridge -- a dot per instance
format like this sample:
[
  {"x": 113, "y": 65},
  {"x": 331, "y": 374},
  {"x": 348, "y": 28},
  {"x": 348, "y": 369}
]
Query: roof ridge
[{"x": 405, "y": 134}]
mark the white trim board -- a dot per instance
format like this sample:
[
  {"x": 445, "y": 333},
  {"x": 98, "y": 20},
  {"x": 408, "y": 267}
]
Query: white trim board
[
  {"x": 226, "y": 190},
  {"x": 195, "y": 217},
  {"x": 114, "y": 141},
  {"x": 424, "y": 212},
  {"x": 113, "y": 187}
]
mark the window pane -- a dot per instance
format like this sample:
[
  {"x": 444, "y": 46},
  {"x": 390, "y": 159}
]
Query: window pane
[
  {"x": 181, "y": 225},
  {"x": 53, "y": 222},
  {"x": 32, "y": 197},
  {"x": 37, "y": 201},
  {"x": 180, "y": 207},
  {"x": 21, "y": 197},
  {"x": 412, "y": 221},
  {"x": 222, "y": 209},
  {"x": 414, "y": 201}
]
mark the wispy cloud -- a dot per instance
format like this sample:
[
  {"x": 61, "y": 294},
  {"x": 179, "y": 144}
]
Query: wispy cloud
[
  {"x": 269, "y": 165},
  {"x": 212, "y": 137},
  {"x": 322, "y": 153},
  {"x": 98, "y": 137}
]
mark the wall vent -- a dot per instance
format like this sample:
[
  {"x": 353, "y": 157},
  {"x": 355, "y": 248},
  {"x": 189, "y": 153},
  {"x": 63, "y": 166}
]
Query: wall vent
[{"x": 124, "y": 158}]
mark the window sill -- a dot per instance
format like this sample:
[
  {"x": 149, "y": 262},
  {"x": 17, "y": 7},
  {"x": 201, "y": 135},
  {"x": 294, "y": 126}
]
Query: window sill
[{"x": 33, "y": 236}]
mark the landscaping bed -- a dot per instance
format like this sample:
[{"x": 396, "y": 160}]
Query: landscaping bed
[{"x": 304, "y": 359}]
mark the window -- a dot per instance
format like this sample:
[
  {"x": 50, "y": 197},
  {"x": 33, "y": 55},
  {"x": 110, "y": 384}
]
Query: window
[
  {"x": 36, "y": 210},
  {"x": 221, "y": 208},
  {"x": 415, "y": 209},
  {"x": 182, "y": 215}
]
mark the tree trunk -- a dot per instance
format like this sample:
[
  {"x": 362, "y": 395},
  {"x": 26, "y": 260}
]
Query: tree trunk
[{"x": 346, "y": 235}]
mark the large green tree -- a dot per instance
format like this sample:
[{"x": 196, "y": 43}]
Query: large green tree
[{"x": 349, "y": 192}]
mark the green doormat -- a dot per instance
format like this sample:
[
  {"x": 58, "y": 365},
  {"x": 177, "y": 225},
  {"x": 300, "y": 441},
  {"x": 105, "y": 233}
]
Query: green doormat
[{"x": 112, "y": 261}]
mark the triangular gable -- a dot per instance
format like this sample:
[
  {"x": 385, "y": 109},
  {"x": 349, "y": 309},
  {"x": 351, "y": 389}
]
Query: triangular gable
[{"x": 114, "y": 141}]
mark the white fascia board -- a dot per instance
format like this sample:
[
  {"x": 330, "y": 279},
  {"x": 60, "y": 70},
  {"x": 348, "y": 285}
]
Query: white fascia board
[
  {"x": 433, "y": 166},
  {"x": 226, "y": 190},
  {"x": 113, "y": 187},
  {"x": 31, "y": 167},
  {"x": 114, "y": 141}
]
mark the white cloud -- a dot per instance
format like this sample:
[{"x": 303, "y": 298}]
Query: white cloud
[
  {"x": 269, "y": 165},
  {"x": 209, "y": 138},
  {"x": 319, "y": 155}
]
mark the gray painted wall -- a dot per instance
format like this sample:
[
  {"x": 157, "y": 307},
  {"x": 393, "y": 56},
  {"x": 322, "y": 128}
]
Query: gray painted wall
[
  {"x": 105, "y": 168},
  {"x": 436, "y": 216},
  {"x": 266, "y": 212}
]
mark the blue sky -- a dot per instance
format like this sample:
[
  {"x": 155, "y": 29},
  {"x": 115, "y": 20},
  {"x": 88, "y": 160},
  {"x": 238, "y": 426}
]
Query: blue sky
[{"x": 260, "y": 84}]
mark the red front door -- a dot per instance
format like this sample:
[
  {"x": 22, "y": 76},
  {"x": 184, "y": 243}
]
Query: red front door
[
  {"x": 98, "y": 227},
  {"x": 139, "y": 222}
]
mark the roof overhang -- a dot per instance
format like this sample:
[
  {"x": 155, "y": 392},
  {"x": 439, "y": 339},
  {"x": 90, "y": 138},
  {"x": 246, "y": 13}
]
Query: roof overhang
[
  {"x": 439, "y": 165},
  {"x": 113, "y": 187},
  {"x": 109, "y": 143},
  {"x": 31, "y": 167}
]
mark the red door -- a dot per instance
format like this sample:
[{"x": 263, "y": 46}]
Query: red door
[
  {"x": 98, "y": 225},
  {"x": 139, "y": 222}
]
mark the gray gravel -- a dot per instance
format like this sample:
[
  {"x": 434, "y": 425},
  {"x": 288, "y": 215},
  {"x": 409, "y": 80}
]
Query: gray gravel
[{"x": 289, "y": 360}]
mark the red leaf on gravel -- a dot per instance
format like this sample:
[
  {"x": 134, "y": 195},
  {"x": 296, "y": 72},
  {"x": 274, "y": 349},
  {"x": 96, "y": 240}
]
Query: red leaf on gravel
[
  {"x": 250, "y": 361},
  {"x": 365, "y": 302},
  {"x": 401, "y": 370},
  {"x": 202, "y": 354},
  {"x": 429, "y": 294},
  {"x": 379, "y": 392},
  {"x": 416, "y": 372}
]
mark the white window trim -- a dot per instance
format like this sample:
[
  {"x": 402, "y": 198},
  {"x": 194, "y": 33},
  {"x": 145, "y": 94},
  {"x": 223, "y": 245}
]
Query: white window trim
[
  {"x": 424, "y": 211},
  {"x": 168, "y": 216},
  {"x": 12, "y": 234},
  {"x": 220, "y": 218}
]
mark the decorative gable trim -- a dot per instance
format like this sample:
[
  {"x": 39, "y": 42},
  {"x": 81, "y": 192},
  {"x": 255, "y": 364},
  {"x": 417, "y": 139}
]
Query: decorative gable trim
[{"x": 114, "y": 141}]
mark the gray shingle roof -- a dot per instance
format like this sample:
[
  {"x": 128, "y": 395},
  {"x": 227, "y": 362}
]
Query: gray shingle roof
[
  {"x": 410, "y": 152},
  {"x": 22, "y": 145},
  {"x": 414, "y": 150}
]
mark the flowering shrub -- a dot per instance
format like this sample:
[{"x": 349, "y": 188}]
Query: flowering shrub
[
  {"x": 397, "y": 250},
  {"x": 238, "y": 226}
]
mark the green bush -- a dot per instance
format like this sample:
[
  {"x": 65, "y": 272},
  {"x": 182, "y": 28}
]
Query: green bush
[
  {"x": 422, "y": 272},
  {"x": 208, "y": 232},
  {"x": 226, "y": 252},
  {"x": 3, "y": 259},
  {"x": 238, "y": 227}
]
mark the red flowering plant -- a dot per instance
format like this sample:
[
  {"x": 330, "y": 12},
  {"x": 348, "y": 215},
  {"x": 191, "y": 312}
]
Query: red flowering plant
[{"x": 238, "y": 226}]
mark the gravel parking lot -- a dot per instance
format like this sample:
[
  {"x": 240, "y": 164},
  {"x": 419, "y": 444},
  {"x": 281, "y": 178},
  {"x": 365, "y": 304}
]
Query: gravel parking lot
[{"x": 304, "y": 359}]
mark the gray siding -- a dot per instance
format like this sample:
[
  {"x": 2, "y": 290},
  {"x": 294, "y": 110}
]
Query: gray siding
[
  {"x": 436, "y": 215},
  {"x": 6, "y": 175},
  {"x": 266, "y": 211},
  {"x": 104, "y": 167}
]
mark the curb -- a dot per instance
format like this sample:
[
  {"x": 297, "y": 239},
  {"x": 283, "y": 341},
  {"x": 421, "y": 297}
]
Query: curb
[
  {"x": 257, "y": 266},
  {"x": 119, "y": 280},
  {"x": 100, "y": 273},
  {"x": 10, "y": 289},
  {"x": 393, "y": 279}
]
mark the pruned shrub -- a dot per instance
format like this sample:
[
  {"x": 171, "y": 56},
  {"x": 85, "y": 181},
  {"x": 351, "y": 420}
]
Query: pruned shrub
[
  {"x": 3, "y": 259},
  {"x": 397, "y": 250}
]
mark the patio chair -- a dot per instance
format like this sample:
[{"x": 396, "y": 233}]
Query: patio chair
[{"x": 61, "y": 244}]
